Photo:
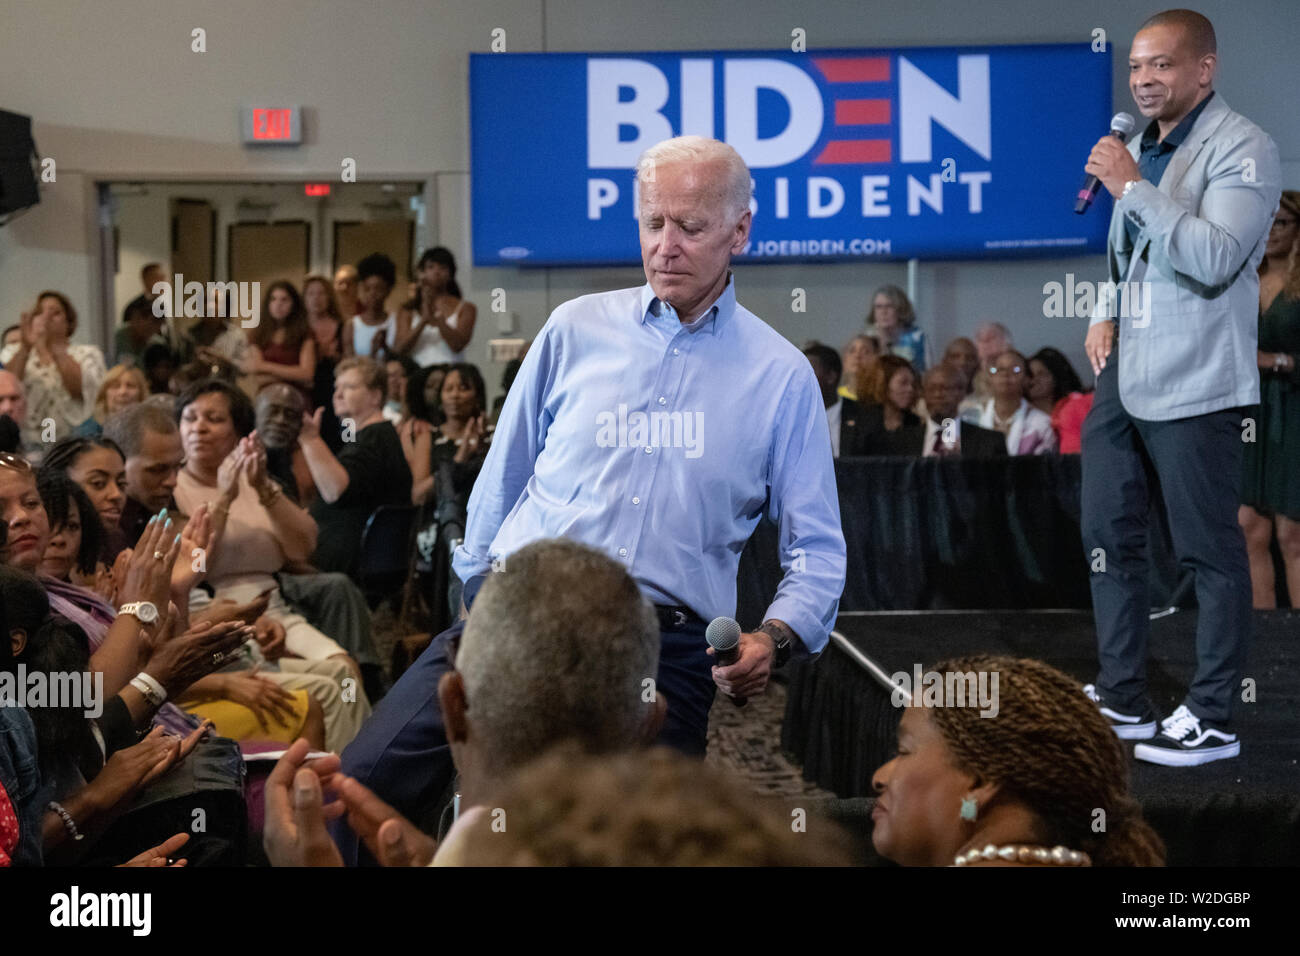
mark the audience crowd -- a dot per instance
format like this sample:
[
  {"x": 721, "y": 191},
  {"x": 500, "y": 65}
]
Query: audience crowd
[{"x": 194, "y": 527}]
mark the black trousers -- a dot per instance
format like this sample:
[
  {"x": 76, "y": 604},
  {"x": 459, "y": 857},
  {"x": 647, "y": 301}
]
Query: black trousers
[{"x": 1197, "y": 464}]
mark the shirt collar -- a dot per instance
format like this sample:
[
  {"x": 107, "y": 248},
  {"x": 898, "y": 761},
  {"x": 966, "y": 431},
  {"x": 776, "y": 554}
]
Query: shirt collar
[
  {"x": 723, "y": 307},
  {"x": 1179, "y": 132}
]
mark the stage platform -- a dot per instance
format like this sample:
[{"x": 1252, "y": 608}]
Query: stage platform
[{"x": 840, "y": 723}]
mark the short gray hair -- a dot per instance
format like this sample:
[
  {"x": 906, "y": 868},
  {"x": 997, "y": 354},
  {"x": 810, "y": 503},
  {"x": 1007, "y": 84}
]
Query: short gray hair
[
  {"x": 557, "y": 647},
  {"x": 128, "y": 426},
  {"x": 994, "y": 328},
  {"x": 735, "y": 191}
]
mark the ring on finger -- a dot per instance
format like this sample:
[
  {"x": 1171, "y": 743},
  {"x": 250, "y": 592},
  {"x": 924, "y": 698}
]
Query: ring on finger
[{"x": 158, "y": 555}]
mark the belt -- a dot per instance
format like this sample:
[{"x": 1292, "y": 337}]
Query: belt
[{"x": 676, "y": 617}]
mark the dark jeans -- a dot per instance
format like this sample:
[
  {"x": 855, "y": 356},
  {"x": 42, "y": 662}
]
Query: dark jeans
[
  {"x": 402, "y": 753},
  {"x": 1196, "y": 464}
]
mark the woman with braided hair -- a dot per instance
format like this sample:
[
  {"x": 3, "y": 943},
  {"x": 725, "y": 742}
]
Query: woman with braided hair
[{"x": 1043, "y": 781}]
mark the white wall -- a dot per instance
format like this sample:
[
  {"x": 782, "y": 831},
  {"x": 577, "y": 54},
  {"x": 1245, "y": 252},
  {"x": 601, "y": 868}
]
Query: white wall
[{"x": 117, "y": 94}]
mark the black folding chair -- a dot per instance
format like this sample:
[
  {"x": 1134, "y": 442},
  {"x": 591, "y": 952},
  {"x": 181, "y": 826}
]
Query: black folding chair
[{"x": 387, "y": 549}]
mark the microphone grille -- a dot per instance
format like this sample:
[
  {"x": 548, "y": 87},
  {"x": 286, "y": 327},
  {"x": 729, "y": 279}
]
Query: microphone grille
[
  {"x": 1123, "y": 123},
  {"x": 723, "y": 634}
]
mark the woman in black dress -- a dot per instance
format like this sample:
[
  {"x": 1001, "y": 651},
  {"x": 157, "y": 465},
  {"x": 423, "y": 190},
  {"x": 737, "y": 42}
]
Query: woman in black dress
[
  {"x": 1271, "y": 480},
  {"x": 459, "y": 446}
]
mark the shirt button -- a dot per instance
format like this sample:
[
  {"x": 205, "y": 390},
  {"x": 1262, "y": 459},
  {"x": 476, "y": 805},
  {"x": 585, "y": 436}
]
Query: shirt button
[
  {"x": 622, "y": 552},
  {"x": 636, "y": 500},
  {"x": 648, "y": 449},
  {"x": 677, "y": 351},
  {"x": 662, "y": 400}
]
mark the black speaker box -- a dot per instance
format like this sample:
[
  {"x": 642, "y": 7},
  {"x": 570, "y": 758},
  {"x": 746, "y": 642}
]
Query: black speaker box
[{"x": 17, "y": 163}]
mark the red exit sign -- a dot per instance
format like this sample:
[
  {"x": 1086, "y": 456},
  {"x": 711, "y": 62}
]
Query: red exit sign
[
  {"x": 274, "y": 125},
  {"x": 316, "y": 189}
]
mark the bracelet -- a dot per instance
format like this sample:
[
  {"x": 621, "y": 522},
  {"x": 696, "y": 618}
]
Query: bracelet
[
  {"x": 68, "y": 823},
  {"x": 271, "y": 497},
  {"x": 153, "y": 691}
]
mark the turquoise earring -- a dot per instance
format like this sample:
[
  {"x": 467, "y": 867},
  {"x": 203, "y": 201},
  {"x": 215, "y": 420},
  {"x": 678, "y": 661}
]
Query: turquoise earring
[{"x": 969, "y": 808}]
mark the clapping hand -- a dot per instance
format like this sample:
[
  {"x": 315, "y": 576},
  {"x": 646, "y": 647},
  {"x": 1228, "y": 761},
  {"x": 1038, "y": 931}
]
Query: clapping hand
[
  {"x": 471, "y": 441},
  {"x": 195, "y": 541},
  {"x": 145, "y": 571},
  {"x": 204, "y": 648},
  {"x": 228, "y": 474},
  {"x": 294, "y": 833},
  {"x": 311, "y": 426}
]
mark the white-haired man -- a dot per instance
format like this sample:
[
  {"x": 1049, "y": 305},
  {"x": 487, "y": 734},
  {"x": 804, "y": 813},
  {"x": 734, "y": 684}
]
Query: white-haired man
[{"x": 657, "y": 424}]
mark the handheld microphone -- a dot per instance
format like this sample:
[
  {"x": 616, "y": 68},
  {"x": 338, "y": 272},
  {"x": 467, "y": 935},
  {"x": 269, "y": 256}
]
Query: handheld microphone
[
  {"x": 1121, "y": 127},
  {"x": 723, "y": 635}
]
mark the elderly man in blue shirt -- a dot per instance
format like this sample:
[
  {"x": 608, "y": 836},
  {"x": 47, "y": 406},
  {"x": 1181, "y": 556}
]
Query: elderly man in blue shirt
[{"x": 658, "y": 424}]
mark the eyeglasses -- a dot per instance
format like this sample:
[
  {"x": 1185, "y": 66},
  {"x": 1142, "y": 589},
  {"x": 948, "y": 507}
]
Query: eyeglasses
[
  {"x": 16, "y": 462},
  {"x": 1005, "y": 370}
]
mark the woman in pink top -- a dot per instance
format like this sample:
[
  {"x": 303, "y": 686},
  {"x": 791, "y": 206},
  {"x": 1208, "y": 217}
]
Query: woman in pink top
[{"x": 1054, "y": 388}]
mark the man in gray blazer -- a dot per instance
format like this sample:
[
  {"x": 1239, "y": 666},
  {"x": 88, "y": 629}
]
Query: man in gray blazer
[{"x": 1194, "y": 197}]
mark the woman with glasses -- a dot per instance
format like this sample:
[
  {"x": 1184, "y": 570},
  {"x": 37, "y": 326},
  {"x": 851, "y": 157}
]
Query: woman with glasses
[
  {"x": 892, "y": 324},
  {"x": 1028, "y": 430},
  {"x": 1271, "y": 485}
]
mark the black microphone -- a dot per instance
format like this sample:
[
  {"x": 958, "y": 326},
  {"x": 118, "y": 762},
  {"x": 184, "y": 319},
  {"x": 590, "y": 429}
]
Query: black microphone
[
  {"x": 1121, "y": 127},
  {"x": 723, "y": 635}
]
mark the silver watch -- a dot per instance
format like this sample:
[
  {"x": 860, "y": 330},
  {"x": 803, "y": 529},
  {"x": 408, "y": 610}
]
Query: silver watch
[
  {"x": 1128, "y": 186},
  {"x": 144, "y": 610}
]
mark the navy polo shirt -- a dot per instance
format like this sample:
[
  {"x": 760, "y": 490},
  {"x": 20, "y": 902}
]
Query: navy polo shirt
[{"x": 1154, "y": 153}]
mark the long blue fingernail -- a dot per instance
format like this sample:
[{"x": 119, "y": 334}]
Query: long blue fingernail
[{"x": 163, "y": 513}]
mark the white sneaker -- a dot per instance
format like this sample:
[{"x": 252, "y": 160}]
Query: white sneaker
[
  {"x": 1126, "y": 726},
  {"x": 1184, "y": 741}
]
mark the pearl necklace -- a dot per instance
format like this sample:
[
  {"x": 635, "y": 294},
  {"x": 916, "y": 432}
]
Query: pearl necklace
[{"x": 1012, "y": 853}]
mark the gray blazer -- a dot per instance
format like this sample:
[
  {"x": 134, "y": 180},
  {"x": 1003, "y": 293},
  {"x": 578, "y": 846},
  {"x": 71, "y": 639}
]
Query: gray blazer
[{"x": 1189, "y": 336}]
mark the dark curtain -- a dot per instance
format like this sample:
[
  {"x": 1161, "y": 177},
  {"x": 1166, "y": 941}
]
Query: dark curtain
[{"x": 930, "y": 533}]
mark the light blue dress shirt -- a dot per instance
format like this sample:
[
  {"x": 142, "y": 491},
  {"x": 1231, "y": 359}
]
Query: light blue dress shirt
[{"x": 663, "y": 445}]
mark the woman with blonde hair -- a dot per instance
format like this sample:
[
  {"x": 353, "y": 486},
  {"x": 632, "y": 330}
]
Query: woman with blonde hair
[
  {"x": 123, "y": 386},
  {"x": 1270, "y": 487},
  {"x": 1025, "y": 787}
]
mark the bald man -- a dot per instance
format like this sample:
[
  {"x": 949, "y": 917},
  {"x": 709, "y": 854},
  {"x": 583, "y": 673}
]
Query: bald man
[
  {"x": 13, "y": 400},
  {"x": 1194, "y": 197},
  {"x": 345, "y": 290}
]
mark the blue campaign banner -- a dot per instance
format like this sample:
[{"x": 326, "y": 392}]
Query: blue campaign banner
[{"x": 925, "y": 152}]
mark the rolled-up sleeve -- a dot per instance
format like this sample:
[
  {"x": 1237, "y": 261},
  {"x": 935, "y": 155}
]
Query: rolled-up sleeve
[
  {"x": 804, "y": 503},
  {"x": 516, "y": 443}
]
